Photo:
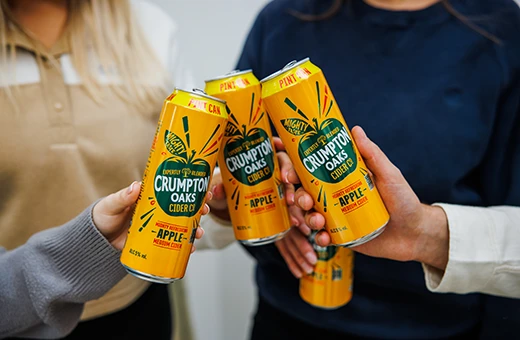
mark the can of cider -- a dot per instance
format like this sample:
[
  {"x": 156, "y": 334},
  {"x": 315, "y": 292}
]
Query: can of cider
[
  {"x": 248, "y": 162},
  {"x": 179, "y": 169},
  {"x": 329, "y": 286},
  {"x": 318, "y": 141}
]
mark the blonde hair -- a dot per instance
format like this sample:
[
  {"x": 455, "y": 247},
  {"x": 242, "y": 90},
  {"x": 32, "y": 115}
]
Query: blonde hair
[{"x": 109, "y": 29}]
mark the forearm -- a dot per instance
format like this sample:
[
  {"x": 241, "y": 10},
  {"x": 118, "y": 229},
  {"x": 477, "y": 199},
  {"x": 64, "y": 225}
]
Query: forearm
[{"x": 45, "y": 282}]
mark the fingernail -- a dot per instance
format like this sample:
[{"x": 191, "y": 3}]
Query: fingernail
[
  {"x": 298, "y": 274},
  {"x": 295, "y": 222},
  {"x": 311, "y": 257},
  {"x": 210, "y": 195},
  {"x": 301, "y": 201},
  {"x": 308, "y": 269},
  {"x": 286, "y": 177},
  {"x": 312, "y": 221},
  {"x": 131, "y": 188},
  {"x": 213, "y": 189}
]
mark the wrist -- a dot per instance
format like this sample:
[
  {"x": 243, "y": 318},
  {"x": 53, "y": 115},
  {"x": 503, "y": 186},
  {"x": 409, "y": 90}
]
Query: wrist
[{"x": 433, "y": 243}]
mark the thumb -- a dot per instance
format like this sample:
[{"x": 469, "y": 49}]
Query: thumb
[
  {"x": 375, "y": 159},
  {"x": 118, "y": 202}
]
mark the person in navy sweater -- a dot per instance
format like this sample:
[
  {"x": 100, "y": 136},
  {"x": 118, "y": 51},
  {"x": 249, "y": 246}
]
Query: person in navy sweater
[{"x": 436, "y": 84}]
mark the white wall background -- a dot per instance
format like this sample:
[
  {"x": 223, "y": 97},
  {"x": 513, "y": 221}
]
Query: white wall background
[{"x": 220, "y": 287}]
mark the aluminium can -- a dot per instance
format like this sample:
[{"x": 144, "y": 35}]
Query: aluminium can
[
  {"x": 307, "y": 118},
  {"x": 248, "y": 162},
  {"x": 174, "y": 185},
  {"x": 329, "y": 286}
]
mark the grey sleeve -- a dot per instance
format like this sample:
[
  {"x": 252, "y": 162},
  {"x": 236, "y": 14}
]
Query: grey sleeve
[{"x": 45, "y": 282}]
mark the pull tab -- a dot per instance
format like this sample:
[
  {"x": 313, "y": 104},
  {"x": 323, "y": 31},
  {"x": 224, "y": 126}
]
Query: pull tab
[
  {"x": 197, "y": 90},
  {"x": 290, "y": 64}
]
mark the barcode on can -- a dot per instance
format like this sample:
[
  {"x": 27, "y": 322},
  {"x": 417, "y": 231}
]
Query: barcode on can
[
  {"x": 369, "y": 181},
  {"x": 337, "y": 273}
]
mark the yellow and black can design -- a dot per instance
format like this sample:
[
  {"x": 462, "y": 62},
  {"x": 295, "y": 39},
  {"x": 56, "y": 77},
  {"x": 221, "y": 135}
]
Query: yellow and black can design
[
  {"x": 329, "y": 286},
  {"x": 248, "y": 162},
  {"x": 325, "y": 157},
  {"x": 177, "y": 175}
]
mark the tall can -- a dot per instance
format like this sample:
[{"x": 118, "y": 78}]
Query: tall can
[
  {"x": 248, "y": 162},
  {"x": 177, "y": 175},
  {"x": 329, "y": 286},
  {"x": 318, "y": 141}
]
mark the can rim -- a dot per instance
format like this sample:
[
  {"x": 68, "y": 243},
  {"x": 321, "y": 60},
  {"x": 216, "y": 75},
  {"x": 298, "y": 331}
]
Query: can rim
[
  {"x": 290, "y": 65},
  {"x": 229, "y": 74},
  {"x": 200, "y": 92}
]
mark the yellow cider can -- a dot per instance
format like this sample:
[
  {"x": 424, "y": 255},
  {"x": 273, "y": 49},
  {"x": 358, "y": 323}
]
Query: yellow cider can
[
  {"x": 329, "y": 286},
  {"x": 177, "y": 175},
  {"x": 248, "y": 162},
  {"x": 308, "y": 120}
]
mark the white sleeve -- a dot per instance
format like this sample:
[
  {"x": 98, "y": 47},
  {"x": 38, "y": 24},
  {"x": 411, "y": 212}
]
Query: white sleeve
[
  {"x": 484, "y": 252},
  {"x": 218, "y": 233}
]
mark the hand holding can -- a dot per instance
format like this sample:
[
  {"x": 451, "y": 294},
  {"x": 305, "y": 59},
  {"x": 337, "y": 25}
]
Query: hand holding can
[{"x": 318, "y": 141}]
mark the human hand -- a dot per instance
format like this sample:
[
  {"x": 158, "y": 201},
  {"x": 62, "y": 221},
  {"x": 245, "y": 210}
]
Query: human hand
[
  {"x": 112, "y": 214},
  {"x": 218, "y": 204},
  {"x": 415, "y": 231},
  {"x": 297, "y": 251},
  {"x": 290, "y": 179}
]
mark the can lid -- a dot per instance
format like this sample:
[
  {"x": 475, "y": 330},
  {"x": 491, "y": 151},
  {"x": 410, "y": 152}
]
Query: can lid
[
  {"x": 289, "y": 66},
  {"x": 229, "y": 74},
  {"x": 201, "y": 93}
]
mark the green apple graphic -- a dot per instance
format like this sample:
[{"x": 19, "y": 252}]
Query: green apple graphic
[
  {"x": 325, "y": 147},
  {"x": 248, "y": 154},
  {"x": 181, "y": 181}
]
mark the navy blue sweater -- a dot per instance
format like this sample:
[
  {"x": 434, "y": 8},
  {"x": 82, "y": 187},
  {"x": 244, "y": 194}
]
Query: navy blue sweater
[{"x": 442, "y": 101}]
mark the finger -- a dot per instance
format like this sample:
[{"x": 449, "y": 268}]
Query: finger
[
  {"x": 315, "y": 220},
  {"x": 298, "y": 219},
  {"x": 323, "y": 239},
  {"x": 303, "y": 200},
  {"x": 193, "y": 248},
  {"x": 278, "y": 144},
  {"x": 205, "y": 209},
  {"x": 287, "y": 169},
  {"x": 291, "y": 264},
  {"x": 218, "y": 192},
  {"x": 289, "y": 193},
  {"x": 199, "y": 233},
  {"x": 375, "y": 159},
  {"x": 302, "y": 251},
  {"x": 116, "y": 203}
]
